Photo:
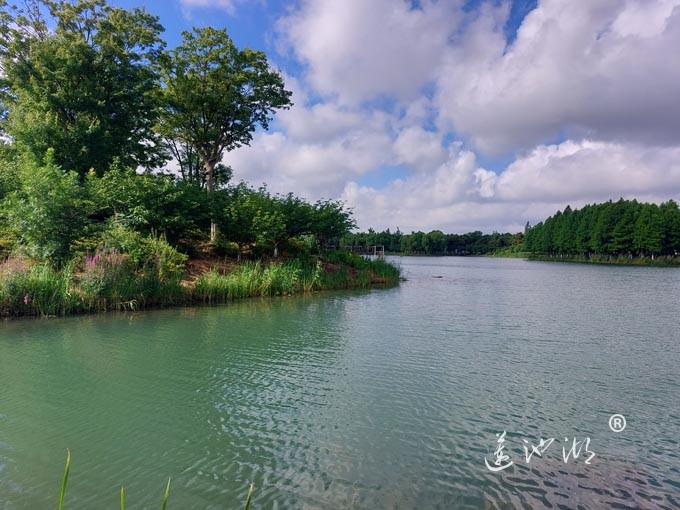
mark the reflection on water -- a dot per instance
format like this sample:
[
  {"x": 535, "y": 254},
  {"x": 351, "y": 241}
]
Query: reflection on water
[{"x": 380, "y": 399}]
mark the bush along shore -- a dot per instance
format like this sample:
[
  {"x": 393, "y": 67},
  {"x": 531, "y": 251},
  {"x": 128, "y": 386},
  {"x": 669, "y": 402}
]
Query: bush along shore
[{"x": 151, "y": 273}]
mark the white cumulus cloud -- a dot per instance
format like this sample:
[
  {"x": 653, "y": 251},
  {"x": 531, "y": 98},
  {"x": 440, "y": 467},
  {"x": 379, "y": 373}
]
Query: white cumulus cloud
[
  {"x": 603, "y": 69},
  {"x": 583, "y": 103},
  {"x": 358, "y": 50}
]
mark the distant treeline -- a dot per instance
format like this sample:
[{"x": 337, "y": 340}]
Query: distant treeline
[
  {"x": 435, "y": 242},
  {"x": 622, "y": 228}
]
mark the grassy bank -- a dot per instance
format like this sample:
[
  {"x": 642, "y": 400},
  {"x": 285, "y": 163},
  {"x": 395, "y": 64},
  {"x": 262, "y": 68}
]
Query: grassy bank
[
  {"x": 113, "y": 280},
  {"x": 619, "y": 260}
]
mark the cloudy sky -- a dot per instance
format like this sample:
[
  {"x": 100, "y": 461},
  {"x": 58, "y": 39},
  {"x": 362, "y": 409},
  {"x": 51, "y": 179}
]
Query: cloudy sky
[{"x": 461, "y": 115}]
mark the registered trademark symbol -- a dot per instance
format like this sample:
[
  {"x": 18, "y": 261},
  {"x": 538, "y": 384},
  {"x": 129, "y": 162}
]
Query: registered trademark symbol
[{"x": 617, "y": 422}]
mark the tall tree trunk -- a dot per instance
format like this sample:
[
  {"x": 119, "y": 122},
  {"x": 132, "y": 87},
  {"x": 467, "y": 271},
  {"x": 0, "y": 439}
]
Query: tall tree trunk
[{"x": 209, "y": 168}]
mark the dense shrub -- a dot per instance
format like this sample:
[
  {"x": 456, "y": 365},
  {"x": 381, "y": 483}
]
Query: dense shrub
[
  {"x": 130, "y": 270},
  {"x": 49, "y": 212}
]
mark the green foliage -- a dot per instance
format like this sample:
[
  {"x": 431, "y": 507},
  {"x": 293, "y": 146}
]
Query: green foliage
[
  {"x": 622, "y": 229},
  {"x": 90, "y": 85},
  {"x": 378, "y": 268},
  {"x": 109, "y": 280},
  {"x": 234, "y": 212},
  {"x": 152, "y": 203},
  {"x": 254, "y": 279},
  {"x": 27, "y": 289},
  {"x": 9, "y": 170},
  {"x": 347, "y": 258},
  {"x": 298, "y": 215},
  {"x": 270, "y": 226},
  {"x": 149, "y": 273},
  {"x": 62, "y": 492},
  {"x": 217, "y": 95},
  {"x": 87, "y": 97},
  {"x": 148, "y": 254},
  {"x": 10, "y": 183},
  {"x": 191, "y": 168},
  {"x": 435, "y": 242},
  {"x": 648, "y": 230},
  {"x": 338, "y": 279},
  {"x": 49, "y": 212},
  {"x": 78, "y": 80},
  {"x": 250, "y": 280},
  {"x": 245, "y": 216},
  {"x": 129, "y": 271},
  {"x": 330, "y": 220}
]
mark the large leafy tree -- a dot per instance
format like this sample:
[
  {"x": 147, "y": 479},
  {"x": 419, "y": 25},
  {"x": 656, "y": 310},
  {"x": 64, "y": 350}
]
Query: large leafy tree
[
  {"x": 330, "y": 220},
  {"x": 78, "y": 79},
  {"x": 217, "y": 95}
]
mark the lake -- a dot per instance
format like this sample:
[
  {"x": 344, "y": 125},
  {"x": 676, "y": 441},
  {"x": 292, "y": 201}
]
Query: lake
[{"x": 388, "y": 398}]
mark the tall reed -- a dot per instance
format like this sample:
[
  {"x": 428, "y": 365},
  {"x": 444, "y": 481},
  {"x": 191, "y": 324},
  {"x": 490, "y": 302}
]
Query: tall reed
[{"x": 251, "y": 279}]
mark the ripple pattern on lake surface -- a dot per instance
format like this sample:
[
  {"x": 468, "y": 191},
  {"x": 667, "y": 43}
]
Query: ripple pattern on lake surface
[{"x": 389, "y": 398}]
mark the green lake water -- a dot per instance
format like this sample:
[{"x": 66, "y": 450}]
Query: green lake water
[{"x": 389, "y": 398}]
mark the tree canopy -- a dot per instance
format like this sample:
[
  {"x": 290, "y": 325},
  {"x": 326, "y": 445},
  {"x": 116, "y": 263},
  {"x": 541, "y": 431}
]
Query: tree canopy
[
  {"x": 78, "y": 79},
  {"x": 624, "y": 227},
  {"x": 216, "y": 95}
]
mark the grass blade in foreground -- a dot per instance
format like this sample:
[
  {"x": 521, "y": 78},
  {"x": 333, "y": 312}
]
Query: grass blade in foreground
[
  {"x": 122, "y": 498},
  {"x": 165, "y": 496},
  {"x": 63, "y": 483},
  {"x": 250, "y": 496}
]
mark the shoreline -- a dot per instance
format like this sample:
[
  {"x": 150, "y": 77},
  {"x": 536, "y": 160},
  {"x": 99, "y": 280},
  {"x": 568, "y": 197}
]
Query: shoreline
[
  {"x": 610, "y": 260},
  {"x": 41, "y": 292}
]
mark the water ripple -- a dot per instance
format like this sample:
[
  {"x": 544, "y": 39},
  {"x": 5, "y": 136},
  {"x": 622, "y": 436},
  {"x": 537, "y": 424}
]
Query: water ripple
[{"x": 373, "y": 399}]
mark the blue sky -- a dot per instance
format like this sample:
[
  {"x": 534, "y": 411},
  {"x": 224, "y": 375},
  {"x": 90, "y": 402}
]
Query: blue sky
[{"x": 460, "y": 115}]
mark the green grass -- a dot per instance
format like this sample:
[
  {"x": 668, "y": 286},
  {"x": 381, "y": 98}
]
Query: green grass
[
  {"x": 255, "y": 279},
  {"x": 36, "y": 290},
  {"x": 40, "y": 290},
  {"x": 251, "y": 279},
  {"x": 62, "y": 492},
  {"x": 378, "y": 268}
]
